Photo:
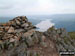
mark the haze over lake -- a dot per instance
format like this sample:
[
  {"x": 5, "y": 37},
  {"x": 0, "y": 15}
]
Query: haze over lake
[{"x": 45, "y": 21}]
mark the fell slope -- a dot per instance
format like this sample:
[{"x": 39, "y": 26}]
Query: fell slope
[{"x": 18, "y": 37}]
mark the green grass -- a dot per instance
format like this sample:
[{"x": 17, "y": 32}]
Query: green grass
[{"x": 72, "y": 35}]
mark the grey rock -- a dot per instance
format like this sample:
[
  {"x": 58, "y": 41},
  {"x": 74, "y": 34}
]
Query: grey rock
[
  {"x": 42, "y": 39},
  {"x": 61, "y": 48},
  {"x": 19, "y": 30},
  {"x": 11, "y": 40},
  {"x": 10, "y": 46},
  {"x": 13, "y": 23},
  {"x": 29, "y": 41},
  {"x": 25, "y": 25},
  {"x": 1, "y": 45},
  {"x": 7, "y": 28},
  {"x": 7, "y": 36},
  {"x": 28, "y": 53},
  {"x": 58, "y": 31},
  {"x": 43, "y": 44},
  {"x": 19, "y": 19},
  {"x": 11, "y": 30},
  {"x": 18, "y": 22},
  {"x": 35, "y": 38},
  {"x": 24, "y": 18},
  {"x": 21, "y": 47}
]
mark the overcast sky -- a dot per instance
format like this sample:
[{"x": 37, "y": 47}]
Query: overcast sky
[{"x": 36, "y": 7}]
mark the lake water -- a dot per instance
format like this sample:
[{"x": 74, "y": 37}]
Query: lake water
[{"x": 45, "y": 21}]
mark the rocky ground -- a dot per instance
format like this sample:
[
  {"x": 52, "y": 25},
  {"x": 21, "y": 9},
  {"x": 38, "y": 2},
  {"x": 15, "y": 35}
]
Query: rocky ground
[
  {"x": 63, "y": 39},
  {"x": 18, "y": 37}
]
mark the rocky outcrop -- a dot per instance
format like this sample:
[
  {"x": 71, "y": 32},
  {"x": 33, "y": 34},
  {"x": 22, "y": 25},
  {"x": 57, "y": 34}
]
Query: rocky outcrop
[
  {"x": 62, "y": 39},
  {"x": 18, "y": 37}
]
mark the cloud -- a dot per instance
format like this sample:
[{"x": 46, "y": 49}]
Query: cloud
[
  {"x": 4, "y": 7},
  {"x": 36, "y": 7},
  {"x": 44, "y": 25},
  {"x": 6, "y": 4}
]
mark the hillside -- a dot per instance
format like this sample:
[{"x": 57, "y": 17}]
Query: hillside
[
  {"x": 18, "y": 37},
  {"x": 72, "y": 34}
]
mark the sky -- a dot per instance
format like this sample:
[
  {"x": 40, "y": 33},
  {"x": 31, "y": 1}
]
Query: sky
[{"x": 36, "y": 7}]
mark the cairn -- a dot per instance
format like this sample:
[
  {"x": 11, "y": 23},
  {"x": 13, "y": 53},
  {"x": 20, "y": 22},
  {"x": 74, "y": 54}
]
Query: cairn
[{"x": 12, "y": 31}]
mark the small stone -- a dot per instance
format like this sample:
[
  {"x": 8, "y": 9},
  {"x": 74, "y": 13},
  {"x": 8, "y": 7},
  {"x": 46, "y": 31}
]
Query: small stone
[
  {"x": 19, "y": 30},
  {"x": 11, "y": 30},
  {"x": 35, "y": 38},
  {"x": 1, "y": 29},
  {"x": 7, "y": 36},
  {"x": 43, "y": 44},
  {"x": 43, "y": 38},
  {"x": 9, "y": 23},
  {"x": 21, "y": 49},
  {"x": 17, "y": 22},
  {"x": 7, "y": 28},
  {"x": 24, "y": 18},
  {"x": 13, "y": 23},
  {"x": 29, "y": 41},
  {"x": 28, "y": 53},
  {"x": 25, "y": 25},
  {"x": 15, "y": 37},
  {"x": 12, "y": 40},
  {"x": 58, "y": 31},
  {"x": 19, "y": 19},
  {"x": 16, "y": 42},
  {"x": 23, "y": 22},
  {"x": 1, "y": 44},
  {"x": 17, "y": 27},
  {"x": 10, "y": 46}
]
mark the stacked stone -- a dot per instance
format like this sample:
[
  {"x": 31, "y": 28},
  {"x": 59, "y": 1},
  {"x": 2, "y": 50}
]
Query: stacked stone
[
  {"x": 12, "y": 31},
  {"x": 18, "y": 31}
]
